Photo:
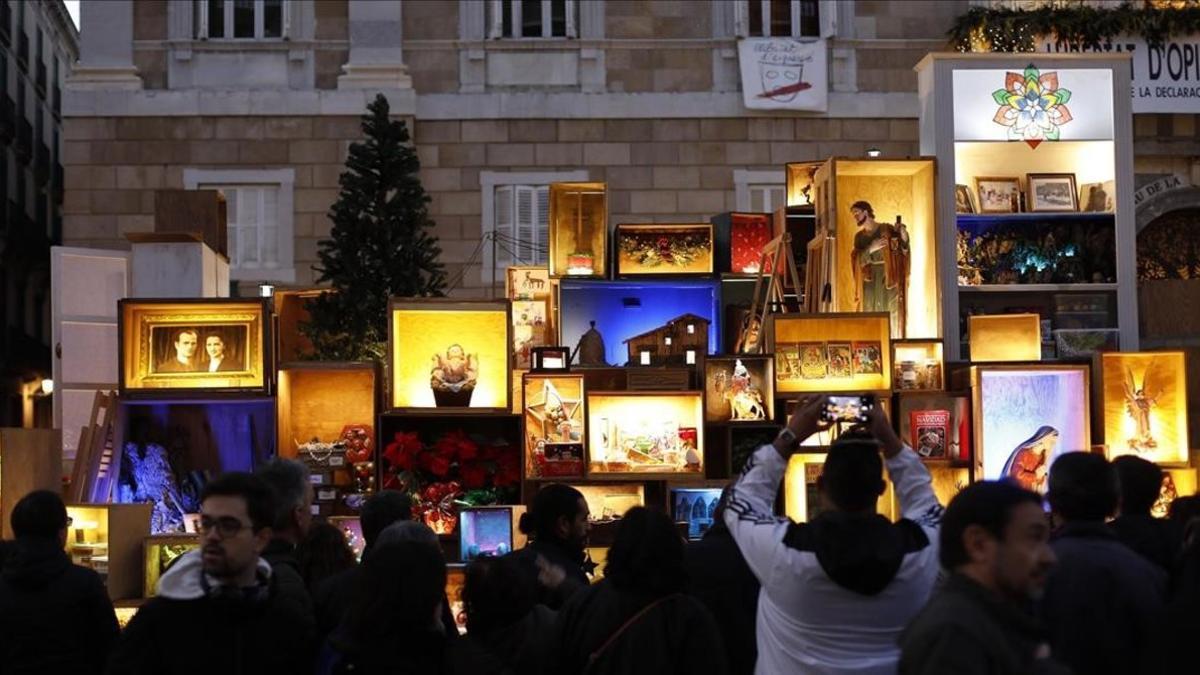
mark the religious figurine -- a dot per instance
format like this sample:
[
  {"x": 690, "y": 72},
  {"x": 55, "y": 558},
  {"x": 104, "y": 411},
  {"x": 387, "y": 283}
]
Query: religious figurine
[
  {"x": 1028, "y": 463},
  {"x": 453, "y": 377},
  {"x": 880, "y": 261},
  {"x": 1138, "y": 403},
  {"x": 590, "y": 348},
  {"x": 745, "y": 401},
  {"x": 154, "y": 483}
]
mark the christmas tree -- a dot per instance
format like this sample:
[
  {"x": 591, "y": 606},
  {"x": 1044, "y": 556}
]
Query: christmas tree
[{"x": 379, "y": 247}]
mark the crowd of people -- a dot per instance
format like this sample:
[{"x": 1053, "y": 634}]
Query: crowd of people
[{"x": 992, "y": 583}]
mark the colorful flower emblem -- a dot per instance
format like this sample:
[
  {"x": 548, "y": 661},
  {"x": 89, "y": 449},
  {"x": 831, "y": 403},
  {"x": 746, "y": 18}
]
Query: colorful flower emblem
[{"x": 1032, "y": 106}]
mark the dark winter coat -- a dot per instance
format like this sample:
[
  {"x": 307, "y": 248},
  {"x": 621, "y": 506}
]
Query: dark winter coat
[
  {"x": 966, "y": 630},
  {"x": 1155, "y": 539},
  {"x": 55, "y": 617},
  {"x": 184, "y": 630},
  {"x": 555, "y": 554},
  {"x": 1102, "y": 601},
  {"x": 432, "y": 654},
  {"x": 289, "y": 582},
  {"x": 677, "y": 636},
  {"x": 523, "y": 646},
  {"x": 723, "y": 582},
  {"x": 333, "y": 597}
]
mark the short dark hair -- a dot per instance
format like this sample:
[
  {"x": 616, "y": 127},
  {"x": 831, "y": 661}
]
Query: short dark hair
[
  {"x": 646, "y": 557},
  {"x": 40, "y": 514},
  {"x": 394, "y": 595},
  {"x": 260, "y": 502},
  {"x": 380, "y": 510},
  {"x": 853, "y": 471},
  {"x": 288, "y": 481},
  {"x": 1082, "y": 486},
  {"x": 195, "y": 333},
  {"x": 552, "y": 502},
  {"x": 988, "y": 504},
  {"x": 1140, "y": 482},
  {"x": 863, "y": 206},
  {"x": 496, "y": 593}
]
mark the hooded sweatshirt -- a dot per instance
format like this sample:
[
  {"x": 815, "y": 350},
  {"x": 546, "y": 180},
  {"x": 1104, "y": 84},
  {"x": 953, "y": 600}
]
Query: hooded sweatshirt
[
  {"x": 836, "y": 592},
  {"x": 55, "y": 617}
]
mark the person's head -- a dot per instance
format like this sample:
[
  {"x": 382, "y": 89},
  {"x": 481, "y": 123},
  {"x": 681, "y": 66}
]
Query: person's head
[
  {"x": 455, "y": 352},
  {"x": 323, "y": 553},
  {"x": 1140, "y": 482},
  {"x": 185, "y": 344},
  {"x": 398, "y": 595},
  {"x": 647, "y": 555},
  {"x": 861, "y": 211},
  {"x": 996, "y": 533},
  {"x": 496, "y": 593},
  {"x": 852, "y": 477},
  {"x": 559, "y": 513},
  {"x": 1183, "y": 509},
  {"x": 380, "y": 510},
  {"x": 236, "y": 511},
  {"x": 215, "y": 346},
  {"x": 42, "y": 515},
  {"x": 288, "y": 480},
  {"x": 1082, "y": 487},
  {"x": 405, "y": 531}
]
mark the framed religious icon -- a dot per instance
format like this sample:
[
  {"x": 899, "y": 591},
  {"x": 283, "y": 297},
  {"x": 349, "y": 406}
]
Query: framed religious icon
[
  {"x": 998, "y": 194},
  {"x": 578, "y": 230},
  {"x": 1052, "y": 192},
  {"x": 1145, "y": 405},
  {"x": 664, "y": 249},
  {"x": 830, "y": 353},
  {"x": 963, "y": 202},
  {"x": 449, "y": 354},
  {"x": 200, "y": 346}
]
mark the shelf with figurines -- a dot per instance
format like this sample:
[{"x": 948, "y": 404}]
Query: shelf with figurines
[
  {"x": 664, "y": 249},
  {"x": 326, "y": 419},
  {"x": 652, "y": 435},
  {"x": 578, "y": 230},
  {"x": 555, "y": 424},
  {"x": 829, "y": 353},
  {"x": 532, "y": 292},
  {"x": 449, "y": 459},
  {"x": 107, "y": 538},
  {"x": 739, "y": 389},
  {"x": 917, "y": 365}
]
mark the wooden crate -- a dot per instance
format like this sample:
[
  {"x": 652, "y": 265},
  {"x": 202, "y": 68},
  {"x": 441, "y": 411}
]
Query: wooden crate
[{"x": 30, "y": 459}]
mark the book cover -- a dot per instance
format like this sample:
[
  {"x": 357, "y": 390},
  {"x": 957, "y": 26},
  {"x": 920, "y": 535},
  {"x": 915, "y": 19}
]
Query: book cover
[
  {"x": 840, "y": 355},
  {"x": 930, "y": 432},
  {"x": 867, "y": 358},
  {"x": 813, "y": 362},
  {"x": 787, "y": 361}
]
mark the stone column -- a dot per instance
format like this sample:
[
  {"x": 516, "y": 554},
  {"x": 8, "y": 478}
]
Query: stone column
[
  {"x": 376, "y": 58},
  {"x": 106, "y": 47}
]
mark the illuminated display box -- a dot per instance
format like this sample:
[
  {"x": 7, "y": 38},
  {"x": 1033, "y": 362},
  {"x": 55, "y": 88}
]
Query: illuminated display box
[
  {"x": 450, "y": 354},
  {"x": 664, "y": 249},
  {"x": 610, "y": 501},
  {"x": 456, "y": 578},
  {"x": 823, "y": 439},
  {"x": 656, "y": 433},
  {"x": 1145, "y": 405},
  {"x": 1005, "y": 337},
  {"x": 578, "y": 230},
  {"x": 800, "y": 178},
  {"x": 555, "y": 429},
  {"x": 30, "y": 459},
  {"x": 937, "y": 426},
  {"x": 1176, "y": 483},
  {"x": 197, "y": 346},
  {"x": 826, "y": 353},
  {"x": 695, "y": 506},
  {"x": 489, "y": 531},
  {"x": 108, "y": 539},
  {"x": 1025, "y": 416},
  {"x": 681, "y": 340},
  {"x": 532, "y": 293},
  {"x": 739, "y": 389},
  {"x": 883, "y": 217},
  {"x": 351, "y": 528},
  {"x": 322, "y": 403},
  {"x": 801, "y": 496},
  {"x": 739, "y": 238},
  {"x": 918, "y": 365},
  {"x": 598, "y": 317},
  {"x": 160, "y": 553}
]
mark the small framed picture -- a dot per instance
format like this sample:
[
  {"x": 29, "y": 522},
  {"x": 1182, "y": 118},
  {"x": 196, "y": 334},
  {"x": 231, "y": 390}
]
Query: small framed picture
[
  {"x": 962, "y": 199},
  {"x": 998, "y": 194},
  {"x": 1098, "y": 197},
  {"x": 551, "y": 359},
  {"x": 1052, "y": 192}
]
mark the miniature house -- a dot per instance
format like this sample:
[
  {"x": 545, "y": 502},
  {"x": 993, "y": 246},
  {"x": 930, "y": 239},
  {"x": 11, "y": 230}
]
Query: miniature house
[{"x": 683, "y": 339}]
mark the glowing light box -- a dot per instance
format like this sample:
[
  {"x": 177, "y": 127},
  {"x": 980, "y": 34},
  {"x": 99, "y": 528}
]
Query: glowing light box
[{"x": 1145, "y": 405}]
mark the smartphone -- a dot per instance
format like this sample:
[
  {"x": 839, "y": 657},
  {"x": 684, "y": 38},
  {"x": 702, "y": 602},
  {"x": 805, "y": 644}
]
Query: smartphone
[{"x": 847, "y": 408}]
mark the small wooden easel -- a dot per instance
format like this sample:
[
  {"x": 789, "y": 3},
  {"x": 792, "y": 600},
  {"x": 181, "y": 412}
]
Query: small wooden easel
[
  {"x": 769, "y": 290},
  {"x": 97, "y": 459}
]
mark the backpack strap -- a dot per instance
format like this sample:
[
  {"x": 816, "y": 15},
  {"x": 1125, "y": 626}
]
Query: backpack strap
[{"x": 595, "y": 655}]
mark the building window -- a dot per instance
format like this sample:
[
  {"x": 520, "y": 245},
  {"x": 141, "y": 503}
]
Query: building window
[
  {"x": 759, "y": 191},
  {"x": 258, "y": 205},
  {"x": 240, "y": 19},
  {"x": 778, "y": 18},
  {"x": 516, "y": 216},
  {"x": 532, "y": 19}
]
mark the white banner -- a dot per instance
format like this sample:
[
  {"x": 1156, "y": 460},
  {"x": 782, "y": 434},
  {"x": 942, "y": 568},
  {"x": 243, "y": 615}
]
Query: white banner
[
  {"x": 1166, "y": 78},
  {"x": 784, "y": 74}
]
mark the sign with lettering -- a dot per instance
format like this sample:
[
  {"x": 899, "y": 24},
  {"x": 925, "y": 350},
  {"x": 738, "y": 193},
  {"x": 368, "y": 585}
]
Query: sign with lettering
[
  {"x": 1166, "y": 78},
  {"x": 784, "y": 74},
  {"x": 1158, "y": 187}
]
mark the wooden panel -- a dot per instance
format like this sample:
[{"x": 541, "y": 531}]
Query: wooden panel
[
  {"x": 30, "y": 459},
  {"x": 123, "y": 527},
  {"x": 316, "y": 401},
  {"x": 193, "y": 211}
]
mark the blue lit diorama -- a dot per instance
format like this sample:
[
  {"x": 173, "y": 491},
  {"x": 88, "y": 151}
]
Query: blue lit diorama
[
  {"x": 1036, "y": 248},
  {"x": 485, "y": 532},
  {"x": 615, "y": 311},
  {"x": 695, "y": 506}
]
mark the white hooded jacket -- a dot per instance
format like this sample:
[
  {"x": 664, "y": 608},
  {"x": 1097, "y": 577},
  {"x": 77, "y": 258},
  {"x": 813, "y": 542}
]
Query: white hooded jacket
[{"x": 184, "y": 580}]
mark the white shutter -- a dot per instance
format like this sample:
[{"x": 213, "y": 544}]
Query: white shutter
[
  {"x": 741, "y": 18},
  {"x": 572, "y": 17},
  {"x": 526, "y": 223},
  {"x": 495, "y": 19},
  {"x": 234, "y": 226},
  {"x": 286, "y": 10},
  {"x": 269, "y": 228},
  {"x": 202, "y": 19},
  {"x": 541, "y": 240},
  {"x": 502, "y": 228}
]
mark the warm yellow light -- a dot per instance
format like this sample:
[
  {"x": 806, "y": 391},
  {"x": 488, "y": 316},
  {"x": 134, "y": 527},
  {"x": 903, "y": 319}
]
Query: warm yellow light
[
  {"x": 1148, "y": 389},
  {"x": 421, "y": 334},
  {"x": 1005, "y": 337},
  {"x": 800, "y": 487},
  {"x": 646, "y": 433}
]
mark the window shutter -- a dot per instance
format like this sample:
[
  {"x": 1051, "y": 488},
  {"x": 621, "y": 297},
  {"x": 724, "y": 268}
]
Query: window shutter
[
  {"x": 495, "y": 29},
  {"x": 741, "y": 18},
  {"x": 269, "y": 228},
  {"x": 249, "y": 208},
  {"x": 572, "y": 19},
  {"x": 235, "y": 226},
  {"x": 502, "y": 227},
  {"x": 526, "y": 223},
  {"x": 287, "y": 9},
  {"x": 202, "y": 19},
  {"x": 541, "y": 241}
]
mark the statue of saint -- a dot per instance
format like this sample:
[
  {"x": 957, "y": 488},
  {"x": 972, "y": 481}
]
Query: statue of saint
[
  {"x": 590, "y": 348},
  {"x": 880, "y": 261},
  {"x": 453, "y": 377},
  {"x": 1138, "y": 403}
]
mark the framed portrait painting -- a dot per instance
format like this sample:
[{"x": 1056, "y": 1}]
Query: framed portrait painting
[{"x": 201, "y": 346}]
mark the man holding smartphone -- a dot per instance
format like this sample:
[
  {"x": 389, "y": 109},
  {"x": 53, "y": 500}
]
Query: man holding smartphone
[{"x": 837, "y": 591}]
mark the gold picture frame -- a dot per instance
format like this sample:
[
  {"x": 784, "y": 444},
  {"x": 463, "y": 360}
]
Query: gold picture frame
[{"x": 998, "y": 194}]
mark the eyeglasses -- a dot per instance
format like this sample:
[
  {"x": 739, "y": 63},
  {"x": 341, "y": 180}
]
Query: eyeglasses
[
  {"x": 70, "y": 521},
  {"x": 226, "y": 526}
]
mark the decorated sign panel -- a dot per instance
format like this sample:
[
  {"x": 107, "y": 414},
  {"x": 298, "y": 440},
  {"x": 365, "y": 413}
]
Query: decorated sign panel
[
  {"x": 784, "y": 74},
  {"x": 1034, "y": 104}
]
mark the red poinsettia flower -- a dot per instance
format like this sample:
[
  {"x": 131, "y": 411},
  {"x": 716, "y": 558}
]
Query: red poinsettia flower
[{"x": 474, "y": 475}]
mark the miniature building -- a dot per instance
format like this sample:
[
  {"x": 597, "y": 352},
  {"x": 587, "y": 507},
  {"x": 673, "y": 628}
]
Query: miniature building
[{"x": 671, "y": 342}]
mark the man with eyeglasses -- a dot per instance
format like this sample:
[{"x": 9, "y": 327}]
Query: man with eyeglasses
[{"x": 222, "y": 597}]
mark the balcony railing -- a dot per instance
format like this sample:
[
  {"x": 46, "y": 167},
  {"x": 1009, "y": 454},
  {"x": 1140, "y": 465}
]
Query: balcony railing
[
  {"x": 8, "y": 119},
  {"x": 24, "y": 145}
]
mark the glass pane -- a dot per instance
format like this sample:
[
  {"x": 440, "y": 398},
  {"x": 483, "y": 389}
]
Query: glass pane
[
  {"x": 272, "y": 18},
  {"x": 243, "y": 18},
  {"x": 216, "y": 18},
  {"x": 506, "y": 9},
  {"x": 810, "y": 18},
  {"x": 269, "y": 228},
  {"x": 531, "y": 18},
  {"x": 558, "y": 18},
  {"x": 248, "y": 218},
  {"x": 756, "y": 22},
  {"x": 781, "y": 18},
  {"x": 231, "y": 204}
]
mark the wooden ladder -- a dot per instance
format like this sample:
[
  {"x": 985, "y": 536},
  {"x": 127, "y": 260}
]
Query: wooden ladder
[{"x": 769, "y": 292}]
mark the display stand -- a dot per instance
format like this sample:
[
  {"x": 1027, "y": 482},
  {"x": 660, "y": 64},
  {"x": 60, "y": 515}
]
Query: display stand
[
  {"x": 177, "y": 265},
  {"x": 108, "y": 538},
  {"x": 1072, "y": 259}
]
